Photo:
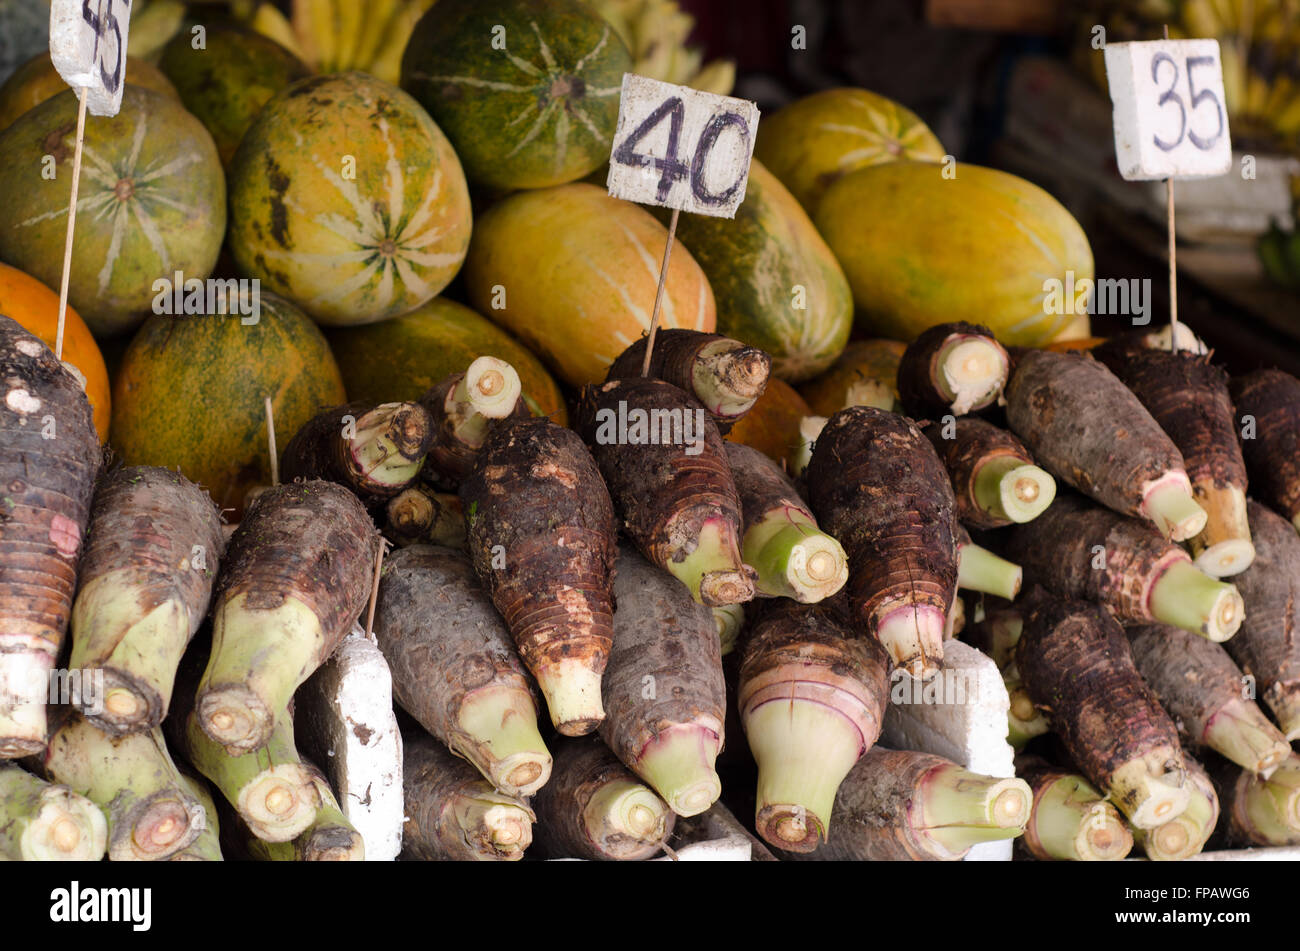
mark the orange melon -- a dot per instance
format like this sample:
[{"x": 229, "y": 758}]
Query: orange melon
[
  {"x": 772, "y": 424},
  {"x": 37, "y": 80},
  {"x": 36, "y": 308}
]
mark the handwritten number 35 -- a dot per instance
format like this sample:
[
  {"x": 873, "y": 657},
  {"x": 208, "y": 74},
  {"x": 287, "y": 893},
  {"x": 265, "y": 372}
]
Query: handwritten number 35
[
  {"x": 102, "y": 27},
  {"x": 1168, "y": 95}
]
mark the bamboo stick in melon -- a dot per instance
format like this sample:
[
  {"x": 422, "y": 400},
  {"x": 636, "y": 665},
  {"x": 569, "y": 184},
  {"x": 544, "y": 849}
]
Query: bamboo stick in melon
[
  {"x": 595, "y": 808},
  {"x": 1185, "y": 835},
  {"x": 296, "y": 575},
  {"x": 1071, "y": 820},
  {"x": 376, "y": 451},
  {"x": 541, "y": 536},
  {"x": 454, "y": 814},
  {"x": 865, "y": 374},
  {"x": 49, "y": 456},
  {"x": 1261, "y": 811},
  {"x": 1268, "y": 421},
  {"x": 146, "y": 579},
  {"x": 725, "y": 375},
  {"x": 955, "y": 368},
  {"x": 899, "y": 805},
  {"x": 1088, "y": 429},
  {"x": 1267, "y": 647},
  {"x": 455, "y": 669},
  {"x": 1206, "y": 695},
  {"x": 664, "y": 694},
  {"x": 464, "y": 407},
  {"x": 151, "y": 814},
  {"x": 994, "y": 478},
  {"x": 1188, "y": 397},
  {"x": 878, "y": 486},
  {"x": 1080, "y": 550},
  {"x": 1075, "y": 663},
  {"x": 812, "y": 700},
  {"x": 793, "y": 557},
  {"x": 672, "y": 487},
  {"x": 44, "y": 822}
]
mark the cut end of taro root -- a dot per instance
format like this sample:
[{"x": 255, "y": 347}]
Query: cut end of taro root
[
  {"x": 572, "y": 691},
  {"x": 971, "y": 371},
  {"x": 1227, "y": 558},
  {"x": 913, "y": 636},
  {"x": 1240, "y": 732},
  {"x": 729, "y": 377},
  {"x": 1172, "y": 841},
  {"x": 1169, "y": 504},
  {"x": 67, "y": 828},
  {"x": 978, "y": 569},
  {"x": 1186, "y": 597},
  {"x": 280, "y": 803},
  {"x": 790, "y": 827},
  {"x": 492, "y": 387},
  {"x": 509, "y": 830},
  {"x": 160, "y": 827},
  {"x": 728, "y": 619},
  {"x": 1025, "y": 492},
  {"x": 1104, "y": 837},
  {"x": 678, "y": 765},
  {"x": 235, "y": 717},
  {"x": 727, "y": 586},
  {"x": 626, "y": 819},
  {"x": 1148, "y": 800},
  {"x": 505, "y": 745}
]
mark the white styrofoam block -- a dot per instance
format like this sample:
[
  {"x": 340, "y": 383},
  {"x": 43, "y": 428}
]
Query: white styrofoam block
[
  {"x": 345, "y": 723},
  {"x": 88, "y": 48},
  {"x": 733, "y": 848},
  {"x": 1170, "y": 119},
  {"x": 1285, "y": 854},
  {"x": 961, "y": 715}
]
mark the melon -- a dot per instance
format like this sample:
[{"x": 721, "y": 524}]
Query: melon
[
  {"x": 229, "y": 80},
  {"x": 401, "y": 358},
  {"x": 866, "y": 374},
  {"x": 36, "y": 309},
  {"x": 922, "y": 248},
  {"x": 817, "y": 140},
  {"x": 772, "y": 424},
  {"x": 347, "y": 199},
  {"x": 189, "y": 394},
  {"x": 776, "y": 283},
  {"x": 152, "y": 202},
  {"x": 24, "y": 32},
  {"x": 527, "y": 90},
  {"x": 37, "y": 80},
  {"x": 573, "y": 272}
]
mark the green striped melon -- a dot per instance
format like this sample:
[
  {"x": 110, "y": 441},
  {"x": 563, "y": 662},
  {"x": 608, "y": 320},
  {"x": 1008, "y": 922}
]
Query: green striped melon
[
  {"x": 152, "y": 201},
  {"x": 527, "y": 90},
  {"x": 401, "y": 358},
  {"x": 347, "y": 199},
  {"x": 776, "y": 283},
  {"x": 922, "y": 248},
  {"x": 816, "y": 140},
  {"x": 229, "y": 80},
  {"x": 572, "y": 273}
]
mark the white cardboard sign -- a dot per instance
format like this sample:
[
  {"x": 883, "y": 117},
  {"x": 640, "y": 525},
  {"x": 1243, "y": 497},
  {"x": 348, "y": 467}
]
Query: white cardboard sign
[
  {"x": 1171, "y": 118},
  {"x": 681, "y": 148},
  {"x": 88, "y": 46}
]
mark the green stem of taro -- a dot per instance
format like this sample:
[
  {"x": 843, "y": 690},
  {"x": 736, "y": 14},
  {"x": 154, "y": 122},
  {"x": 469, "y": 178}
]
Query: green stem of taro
[
  {"x": 1183, "y": 836},
  {"x": 1186, "y": 597},
  {"x": 1147, "y": 798},
  {"x": 1169, "y": 503},
  {"x": 678, "y": 765},
  {"x": 793, "y": 557},
  {"x": 729, "y": 377},
  {"x": 1241, "y": 732},
  {"x": 1073, "y": 823},
  {"x": 978, "y": 569},
  {"x": 969, "y": 372},
  {"x": 1006, "y": 487},
  {"x": 804, "y": 750},
  {"x": 572, "y": 691},
  {"x": 959, "y": 808},
  {"x": 729, "y": 619},
  {"x": 1273, "y": 805},
  {"x": 506, "y": 747},
  {"x": 1024, "y": 720},
  {"x": 389, "y": 445},
  {"x": 714, "y": 571},
  {"x": 624, "y": 816},
  {"x": 498, "y": 826}
]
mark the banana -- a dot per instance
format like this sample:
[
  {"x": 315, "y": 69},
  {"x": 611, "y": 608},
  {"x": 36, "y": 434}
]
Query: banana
[
  {"x": 301, "y": 20},
  {"x": 271, "y": 23},
  {"x": 1234, "y": 77},
  {"x": 153, "y": 27},
  {"x": 387, "y": 64},
  {"x": 348, "y": 27},
  {"x": 1201, "y": 19},
  {"x": 1257, "y": 89},
  {"x": 378, "y": 18},
  {"x": 321, "y": 18},
  {"x": 718, "y": 77}
]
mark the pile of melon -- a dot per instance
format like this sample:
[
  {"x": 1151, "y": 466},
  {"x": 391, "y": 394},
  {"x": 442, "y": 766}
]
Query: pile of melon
[{"x": 398, "y": 232}]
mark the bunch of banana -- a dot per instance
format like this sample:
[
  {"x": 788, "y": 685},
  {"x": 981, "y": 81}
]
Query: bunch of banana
[
  {"x": 338, "y": 35},
  {"x": 656, "y": 31}
]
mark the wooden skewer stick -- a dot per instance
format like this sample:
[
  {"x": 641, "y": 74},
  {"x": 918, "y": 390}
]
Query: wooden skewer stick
[
  {"x": 270, "y": 441},
  {"x": 72, "y": 224},
  {"x": 1173, "y": 257},
  {"x": 374, "y": 592},
  {"x": 659, "y": 294}
]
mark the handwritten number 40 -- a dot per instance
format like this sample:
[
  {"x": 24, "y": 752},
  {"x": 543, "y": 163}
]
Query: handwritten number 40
[
  {"x": 1169, "y": 96},
  {"x": 672, "y": 166},
  {"x": 102, "y": 27}
]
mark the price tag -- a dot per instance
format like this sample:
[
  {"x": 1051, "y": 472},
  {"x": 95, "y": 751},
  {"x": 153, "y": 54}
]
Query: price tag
[
  {"x": 681, "y": 148},
  {"x": 88, "y": 47},
  {"x": 1171, "y": 120}
]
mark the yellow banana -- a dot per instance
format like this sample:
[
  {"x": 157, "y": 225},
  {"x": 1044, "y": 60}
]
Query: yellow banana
[
  {"x": 379, "y": 16},
  {"x": 153, "y": 27},
  {"x": 321, "y": 19},
  {"x": 271, "y": 23},
  {"x": 1201, "y": 19},
  {"x": 387, "y": 64},
  {"x": 1257, "y": 90},
  {"x": 1234, "y": 77},
  {"x": 302, "y": 13},
  {"x": 347, "y": 27},
  {"x": 718, "y": 77}
]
